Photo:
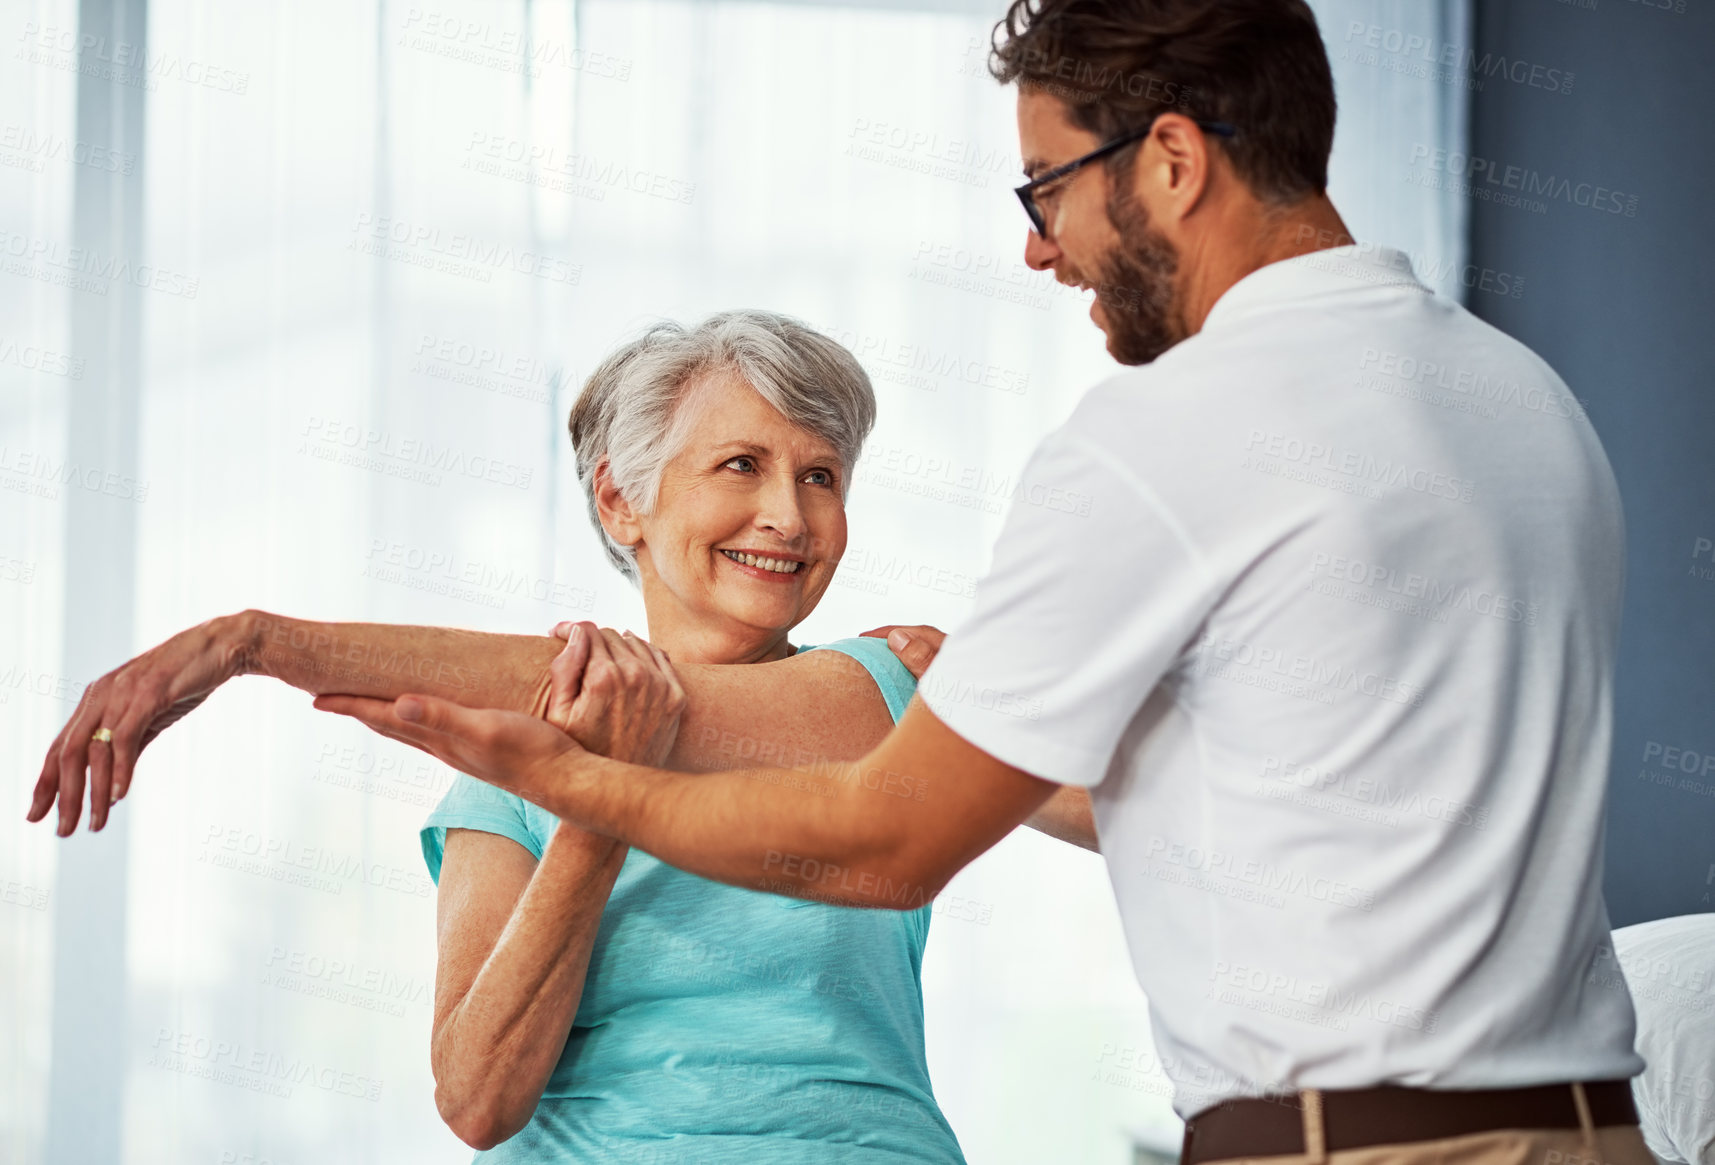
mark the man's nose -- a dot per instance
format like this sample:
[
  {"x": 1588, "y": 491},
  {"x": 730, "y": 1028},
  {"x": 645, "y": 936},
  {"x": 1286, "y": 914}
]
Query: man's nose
[{"x": 1039, "y": 253}]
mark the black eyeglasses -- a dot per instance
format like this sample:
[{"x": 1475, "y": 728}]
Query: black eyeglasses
[{"x": 1027, "y": 192}]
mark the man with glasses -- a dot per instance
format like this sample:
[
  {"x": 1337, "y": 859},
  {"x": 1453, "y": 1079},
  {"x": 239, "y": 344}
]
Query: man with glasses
[{"x": 1332, "y": 651}]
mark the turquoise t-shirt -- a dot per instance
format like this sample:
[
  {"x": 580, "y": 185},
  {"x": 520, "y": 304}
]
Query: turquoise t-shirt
[{"x": 720, "y": 1024}]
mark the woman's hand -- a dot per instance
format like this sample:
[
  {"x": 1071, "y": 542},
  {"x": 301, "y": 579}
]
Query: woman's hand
[
  {"x": 617, "y": 694},
  {"x": 135, "y": 702}
]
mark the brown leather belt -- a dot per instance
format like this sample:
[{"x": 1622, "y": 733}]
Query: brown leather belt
[{"x": 1388, "y": 1114}]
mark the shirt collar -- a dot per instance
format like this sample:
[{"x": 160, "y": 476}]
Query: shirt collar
[{"x": 1356, "y": 267}]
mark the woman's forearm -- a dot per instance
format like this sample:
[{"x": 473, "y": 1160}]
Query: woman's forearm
[
  {"x": 493, "y": 1053},
  {"x": 478, "y": 669}
]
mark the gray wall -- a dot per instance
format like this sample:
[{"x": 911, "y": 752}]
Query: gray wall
[{"x": 1619, "y": 302}]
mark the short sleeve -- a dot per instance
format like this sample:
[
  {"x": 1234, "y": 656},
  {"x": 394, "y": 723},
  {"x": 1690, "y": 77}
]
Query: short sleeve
[
  {"x": 474, "y": 804},
  {"x": 892, "y": 677},
  {"x": 1094, "y": 591}
]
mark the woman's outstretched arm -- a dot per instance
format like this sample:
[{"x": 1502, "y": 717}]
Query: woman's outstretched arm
[
  {"x": 806, "y": 703},
  {"x": 138, "y": 700},
  {"x": 479, "y": 669}
]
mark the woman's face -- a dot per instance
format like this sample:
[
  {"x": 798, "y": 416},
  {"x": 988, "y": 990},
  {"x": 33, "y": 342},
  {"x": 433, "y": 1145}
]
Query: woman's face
[{"x": 749, "y": 523}]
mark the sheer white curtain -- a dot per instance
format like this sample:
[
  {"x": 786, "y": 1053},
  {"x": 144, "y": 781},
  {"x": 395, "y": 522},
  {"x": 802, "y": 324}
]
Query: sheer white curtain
[{"x": 398, "y": 236}]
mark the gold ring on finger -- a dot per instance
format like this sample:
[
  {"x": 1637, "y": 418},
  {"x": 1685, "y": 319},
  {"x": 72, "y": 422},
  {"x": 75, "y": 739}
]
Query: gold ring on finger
[{"x": 102, "y": 734}]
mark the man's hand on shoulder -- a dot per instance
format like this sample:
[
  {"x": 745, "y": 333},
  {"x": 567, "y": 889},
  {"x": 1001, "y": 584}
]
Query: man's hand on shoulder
[{"x": 916, "y": 645}]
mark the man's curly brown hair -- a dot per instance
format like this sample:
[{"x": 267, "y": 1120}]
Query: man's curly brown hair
[{"x": 1258, "y": 65}]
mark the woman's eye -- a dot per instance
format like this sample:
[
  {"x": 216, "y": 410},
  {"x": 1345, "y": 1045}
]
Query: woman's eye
[
  {"x": 742, "y": 464},
  {"x": 819, "y": 477}
]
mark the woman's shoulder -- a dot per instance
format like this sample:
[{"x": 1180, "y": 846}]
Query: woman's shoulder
[
  {"x": 467, "y": 796},
  {"x": 473, "y": 804},
  {"x": 896, "y": 682}
]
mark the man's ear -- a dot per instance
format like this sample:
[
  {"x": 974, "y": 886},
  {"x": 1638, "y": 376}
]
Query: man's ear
[
  {"x": 1171, "y": 178},
  {"x": 617, "y": 516}
]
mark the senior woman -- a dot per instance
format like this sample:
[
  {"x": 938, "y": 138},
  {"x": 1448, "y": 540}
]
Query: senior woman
[
  {"x": 712, "y": 1022},
  {"x": 593, "y": 1003}
]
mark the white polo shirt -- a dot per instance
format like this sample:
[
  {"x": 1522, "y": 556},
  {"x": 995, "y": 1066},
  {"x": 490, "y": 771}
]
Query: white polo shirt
[
  {"x": 1323, "y": 605},
  {"x": 1669, "y": 965}
]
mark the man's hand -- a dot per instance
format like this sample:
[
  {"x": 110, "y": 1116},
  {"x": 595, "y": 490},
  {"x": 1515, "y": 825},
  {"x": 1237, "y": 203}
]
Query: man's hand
[
  {"x": 916, "y": 645},
  {"x": 506, "y": 749},
  {"x": 617, "y": 694}
]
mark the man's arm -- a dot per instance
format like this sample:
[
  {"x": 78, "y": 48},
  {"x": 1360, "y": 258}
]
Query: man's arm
[
  {"x": 836, "y": 832},
  {"x": 888, "y": 830},
  {"x": 1066, "y": 815},
  {"x": 821, "y": 705}
]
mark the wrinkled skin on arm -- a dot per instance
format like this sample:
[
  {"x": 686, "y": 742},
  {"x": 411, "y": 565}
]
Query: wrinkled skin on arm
[{"x": 514, "y": 936}]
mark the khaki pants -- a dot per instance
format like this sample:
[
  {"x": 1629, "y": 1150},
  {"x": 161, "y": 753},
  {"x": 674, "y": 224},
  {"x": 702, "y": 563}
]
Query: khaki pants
[{"x": 1608, "y": 1145}]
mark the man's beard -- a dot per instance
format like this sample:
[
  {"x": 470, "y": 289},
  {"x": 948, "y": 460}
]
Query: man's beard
[{"x": 1136, "y": 286}]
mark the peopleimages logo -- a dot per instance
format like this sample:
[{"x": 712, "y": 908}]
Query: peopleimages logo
[
  {"x": 1486, "y": 178},
  {"x": 1370, "y": 791},
  {"x": 1703, "y": 548},
  {"x": 1357, "y": 472},
  {"x": 26, "y": 148},
  {"x": 34, "y": 358},
  {"x": 1446, "y": 593},
  {"x": 927, "y": 152},
  {"x": 1263, "y": 877},
  {"x": 1465, "y": 382},
  {"x": 454, "y": 252},
  {"x": 893, "y": 568},
  {"x": 122, "y": 62},
  {"x": 256, "y": 1069},
  {"x": 313, "y": 867},
  {"x": 41, "y": 474},
  {"x": 478, "y": 42},
  {"x": 1444, "y": 55},
  {"x": 553, "y": 168},
  {"x": 368, "y": 447},
  {"x": 883, "y": 355},
  {"x": 1684, "y": 760},
  {"x": 1311, "y": 1001},
  {"x": 82, "y": 269}
]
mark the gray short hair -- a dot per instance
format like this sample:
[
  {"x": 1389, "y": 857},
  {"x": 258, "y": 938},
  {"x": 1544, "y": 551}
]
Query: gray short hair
[{"x": 628, "y": 412}]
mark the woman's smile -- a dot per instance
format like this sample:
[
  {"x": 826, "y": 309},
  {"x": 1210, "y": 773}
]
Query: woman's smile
[{"x": 774, "y": 567}]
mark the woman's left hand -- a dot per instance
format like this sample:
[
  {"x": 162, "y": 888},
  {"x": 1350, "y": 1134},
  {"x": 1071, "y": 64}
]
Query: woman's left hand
[
  {"x": 617, "y": 694},
  {"x": 510, "y": 750}
]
